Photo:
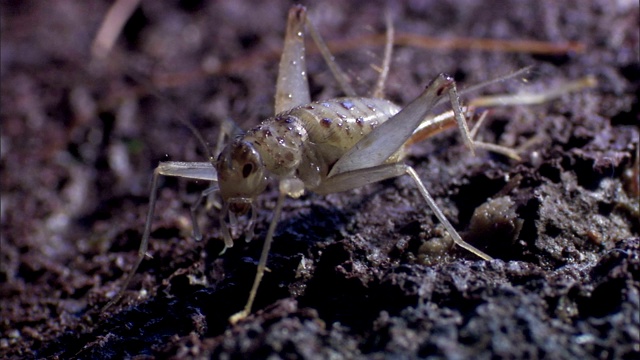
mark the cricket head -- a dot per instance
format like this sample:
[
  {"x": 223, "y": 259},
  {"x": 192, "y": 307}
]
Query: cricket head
[{"x": 241, "y": 175}]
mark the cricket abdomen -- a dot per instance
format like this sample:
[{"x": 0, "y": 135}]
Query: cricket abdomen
[
  {"x": 335, "y": 126},
  {"x": 342, "y": 122}
]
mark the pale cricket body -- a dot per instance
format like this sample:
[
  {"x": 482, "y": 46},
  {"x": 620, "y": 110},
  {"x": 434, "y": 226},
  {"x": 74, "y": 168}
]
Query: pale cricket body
[{"x": 324, "y": 146}]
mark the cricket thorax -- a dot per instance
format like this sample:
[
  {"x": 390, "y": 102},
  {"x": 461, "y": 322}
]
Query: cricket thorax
[{"x": 281, "y": 142}]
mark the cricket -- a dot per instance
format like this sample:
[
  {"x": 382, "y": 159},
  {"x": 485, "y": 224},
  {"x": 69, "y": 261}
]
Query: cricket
[{"x": 327, "y": 146}]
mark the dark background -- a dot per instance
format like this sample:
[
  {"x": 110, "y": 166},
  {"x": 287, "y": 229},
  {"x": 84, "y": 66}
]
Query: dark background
[{"x": 351, "y": 275}]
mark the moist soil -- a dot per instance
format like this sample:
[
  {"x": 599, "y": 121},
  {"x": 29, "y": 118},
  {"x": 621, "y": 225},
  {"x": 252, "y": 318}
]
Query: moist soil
[{"x": 367, "y": 273}]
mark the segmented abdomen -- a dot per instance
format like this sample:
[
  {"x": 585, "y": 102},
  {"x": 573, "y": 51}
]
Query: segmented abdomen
[{"x": 340, "y": 123}]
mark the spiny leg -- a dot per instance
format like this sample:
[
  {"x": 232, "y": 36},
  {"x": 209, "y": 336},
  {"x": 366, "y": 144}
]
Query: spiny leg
[
  {"x": 460, "y": 120},
  {"x": 261, "y": 264}
]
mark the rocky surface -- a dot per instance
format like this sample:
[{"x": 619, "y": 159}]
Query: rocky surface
[{"x": 360, "y": 274}]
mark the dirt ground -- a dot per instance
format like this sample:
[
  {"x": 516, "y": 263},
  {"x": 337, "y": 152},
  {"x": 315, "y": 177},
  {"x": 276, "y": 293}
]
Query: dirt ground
[{"x": 352, "y": 275}]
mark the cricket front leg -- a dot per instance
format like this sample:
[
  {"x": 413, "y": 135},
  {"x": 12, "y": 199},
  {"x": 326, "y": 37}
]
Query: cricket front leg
[
  {"x": 189, "y": 170},
  {"x": 144, "y": 243}
]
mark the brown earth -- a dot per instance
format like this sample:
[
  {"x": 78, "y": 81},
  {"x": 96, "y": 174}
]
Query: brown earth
[{"x": 352, "y": 274}]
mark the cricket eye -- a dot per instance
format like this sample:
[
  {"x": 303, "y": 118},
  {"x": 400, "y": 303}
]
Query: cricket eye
[{"x": 247, "y": 169}]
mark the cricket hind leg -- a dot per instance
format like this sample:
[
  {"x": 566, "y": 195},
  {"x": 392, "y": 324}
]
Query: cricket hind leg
[
  {"x": 357, "y": 178},
  {"x": 443, "y": 220},
  {"x": 495, "y": 148},
  {"x": 522, "y": 99},
  {"x": 365, "y": 162},
  {"x": 433, "y": 125}
]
